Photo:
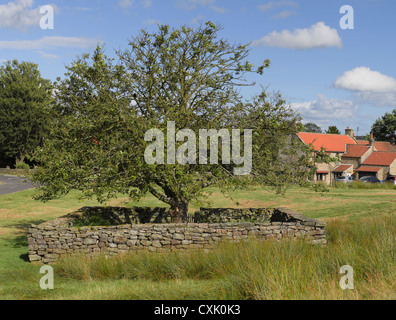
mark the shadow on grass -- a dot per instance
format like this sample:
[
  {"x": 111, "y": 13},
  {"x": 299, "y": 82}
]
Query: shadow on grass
[
  {"x": 18, "y": 241},
  {"x": 19, "y": 238},
  {"x": 24, "y": 257},
  {"x": 23, "y": 226}
]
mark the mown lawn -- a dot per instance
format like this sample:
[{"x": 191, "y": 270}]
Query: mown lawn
[{"x": 361, "y": 228}]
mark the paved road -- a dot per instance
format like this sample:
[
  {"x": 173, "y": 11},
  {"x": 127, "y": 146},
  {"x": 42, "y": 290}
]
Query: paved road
[{"x": 11, "y": 184}]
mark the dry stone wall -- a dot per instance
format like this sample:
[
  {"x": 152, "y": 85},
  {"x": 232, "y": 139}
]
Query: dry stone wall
[{"x": 49, "y": 241}]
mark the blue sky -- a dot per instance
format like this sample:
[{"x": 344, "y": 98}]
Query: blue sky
[{"x": 331, "y": 75}]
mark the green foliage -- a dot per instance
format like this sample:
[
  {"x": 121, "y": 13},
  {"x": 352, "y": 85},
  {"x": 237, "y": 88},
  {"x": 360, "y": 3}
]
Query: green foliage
[
  {"x": 279, "y": 159},
  {"x": 384, "y": 128},
  {"x": 184, "y": 75},
  {"x": 25, "y": 99},
  {"x": 22, "y": 165},
  {"x": 93, "y": 147},
  {"x": 333, "y": 130},
  {"x": 322, "y": 156},
  {"x": 312, "y": 127}
]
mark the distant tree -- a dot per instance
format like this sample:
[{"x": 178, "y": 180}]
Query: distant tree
[
  {"x": 333, "y": 130},
  {"x": 24, "y": 109},
  {"x": 312, "y": 127},
  {"x": 384, "y": 128}
]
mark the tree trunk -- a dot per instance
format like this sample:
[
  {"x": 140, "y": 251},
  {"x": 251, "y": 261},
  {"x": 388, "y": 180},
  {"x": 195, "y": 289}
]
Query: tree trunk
[
  {"x": 179, "y": 205},
  {"x": 19, "y": 160},
  {"x": 178, "y": 212}
]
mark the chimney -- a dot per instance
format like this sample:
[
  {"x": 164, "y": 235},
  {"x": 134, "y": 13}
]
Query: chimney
[
  {"x": 349, "y": 132},
  {"x": 371, "y": 140}
]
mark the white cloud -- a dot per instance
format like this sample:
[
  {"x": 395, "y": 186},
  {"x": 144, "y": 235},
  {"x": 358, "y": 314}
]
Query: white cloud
[
  {"x": 125, "y": 3},
  {"x": 379, "y": 99},
  {"x": 151, "y": 21},
  {"x": 192, "y": 4},
  {"x": 20, "y": 15},
  {"x": 325, "y": 111},
  {"x": 83, "y": 9},
  {"x": 218, "y": 9},
  {"x": 147, "y": 3},
  {"x": 197, "y": 20},
  {"x": 50, "y": 42},
  {"x": 369, "y": 86},
  {"x": 48, "y": 56},
  {"x": 285, "y": 14},
  {"x": 276, "y": 4},
  {"x": 364, "y": 79},
  {"x": 318, "y": 35}
]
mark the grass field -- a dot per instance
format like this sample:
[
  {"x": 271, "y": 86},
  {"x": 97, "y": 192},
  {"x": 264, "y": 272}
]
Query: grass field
[{"x": 361, "y": 225}]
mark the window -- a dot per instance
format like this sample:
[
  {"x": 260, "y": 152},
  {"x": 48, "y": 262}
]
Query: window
[{"x": 321, "y": 176}]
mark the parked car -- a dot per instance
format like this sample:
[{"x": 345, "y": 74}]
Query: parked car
[
  {"x": 345, "y": 179},
  {"x": 390, "y": 180},
  {"x": 370, "y": 179}
]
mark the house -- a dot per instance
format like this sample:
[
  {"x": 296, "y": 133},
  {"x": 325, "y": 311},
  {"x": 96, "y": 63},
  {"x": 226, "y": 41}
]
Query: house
[
  {"x": 381, "y": 161},
  {"x": 381, "y": 164},
  {"x": 342, "y": 170},
  {"x": 357, "y": 157},
  {"x": 379, "y": 145},
  {"x": 334, "y": 145},
  {"x": 355, "y": 154}
]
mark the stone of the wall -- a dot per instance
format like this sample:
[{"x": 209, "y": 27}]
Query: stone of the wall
[{"x": 49, "y": 241}]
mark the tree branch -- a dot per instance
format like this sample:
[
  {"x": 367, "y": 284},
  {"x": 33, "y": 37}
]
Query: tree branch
[{"x": 161, "y": 197}]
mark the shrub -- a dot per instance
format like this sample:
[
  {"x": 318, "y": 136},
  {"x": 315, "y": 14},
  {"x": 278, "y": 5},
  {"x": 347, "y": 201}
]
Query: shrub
[{"x": 22, "y": 165}]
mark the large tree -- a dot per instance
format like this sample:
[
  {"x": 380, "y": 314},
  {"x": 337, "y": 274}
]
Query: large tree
[
  {"x": 384, "y": 128},
  {"x": 25, "y": 99},
  {"x": 177, "y": 82}
]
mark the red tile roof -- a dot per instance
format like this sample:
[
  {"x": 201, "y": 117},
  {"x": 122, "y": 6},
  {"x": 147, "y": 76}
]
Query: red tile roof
[
  {"x": 355, "y": 150},
  {"x": 369, "y": 169},
  {"x": 331, "y": 142},
  {"x": 342, "y": 168},
  {"x": 380, "y": 159},
  {"x": 384, "y": 146},
  {"x": 379, "y": 145}
]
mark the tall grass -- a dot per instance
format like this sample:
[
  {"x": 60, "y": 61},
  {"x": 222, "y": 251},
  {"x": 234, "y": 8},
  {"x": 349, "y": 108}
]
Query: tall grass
[
  {"x": 365, "y": 185},
  {"x": 254, "y": 269}
]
